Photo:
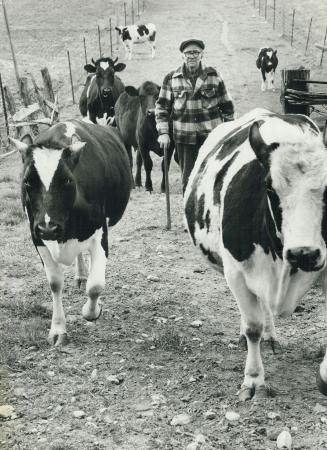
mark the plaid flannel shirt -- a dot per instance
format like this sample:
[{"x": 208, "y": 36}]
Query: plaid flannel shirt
[{"x": 194, "y": 111}]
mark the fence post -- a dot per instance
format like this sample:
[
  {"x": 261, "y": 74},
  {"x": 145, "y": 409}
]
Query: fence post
[
  {"x": 323, "y": 50},
  {"x": 283, "y": 20},
  {"x": 138, "y": 8},
  {"x": 71, "y": 77},
  {"x": 308, "y": 37},
  {"x": 110, "y": 36},
  {"x": 288, "y": 82},
  {"x": 132, "y": 11},
  {"x": 259, "y": 8},
  {"x": 125, "y": 13},
  {"x": 274, "y": 19},
  {"x": 143, "y": 5},
  {"x": 265, "y": 10},
  {"x": 11, "y": 43},
  {"x": 99, "y": 40},
  {"x": 84, "y": 43},
  {"x": 293, "y": 19},
  {"x": 4, "y": 107},
  {"x": 47, "y": 84}
]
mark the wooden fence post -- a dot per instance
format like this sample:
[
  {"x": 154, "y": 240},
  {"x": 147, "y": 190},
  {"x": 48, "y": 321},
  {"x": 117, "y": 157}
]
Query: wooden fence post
[
  {"x": 274, "y": 17},
  {"x": 24, "y": 91},
  {"x": 138, "y": 8},
  {"x": 265, "y": 10},
  {"x": 10, "y": 100},
  {"x": 110, "y": 36},
  {"x": 4, "y": 107},
  {"x": 71, "y": 77},
  {"x": 99, "y": 41},
  {"x": 47, "y": 83},
  {"x": 132, "y": 11},
  {"x": 293, "y": 20},
  {"x": 323, "y": 50},
  {"x": 290, "y": 81},
  {"x": 125, "y": 13},
  {"x": 39, "y": 97},
  {"x": 11, "y": 43},
  {"x": 84, "y": 44},
  {"x": 308, "y": 37}
]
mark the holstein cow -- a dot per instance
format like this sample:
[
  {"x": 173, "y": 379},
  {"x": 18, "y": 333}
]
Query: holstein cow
[
  {"x": 137, "y": 34},
  {"x": 101, "y": 89},
  {"x": 255, "y": 206},
  {"x": 134, "y": 113},
  {"x": 267, "y": 62},
  {"x": 75, "y": 183}
]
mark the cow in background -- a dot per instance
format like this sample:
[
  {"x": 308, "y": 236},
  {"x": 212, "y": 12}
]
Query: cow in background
[
  {"x": 75, "y": 183},
  {"x": 267, "y": 62},
  {"x": 134, "y": 114},
  {"x": 256, "y": 207},
  {"x": 137, "y": 34},
  {"x": 102, "y": 89}
]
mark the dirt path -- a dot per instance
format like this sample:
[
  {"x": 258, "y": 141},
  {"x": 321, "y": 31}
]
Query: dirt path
[{"x": 143, "y": 363}]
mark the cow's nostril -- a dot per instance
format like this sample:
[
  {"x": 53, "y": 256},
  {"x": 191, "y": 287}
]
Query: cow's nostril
[{"x": 305, "y": 258}]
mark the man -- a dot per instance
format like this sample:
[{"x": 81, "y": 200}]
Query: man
[{"x": 196, "y": 99}]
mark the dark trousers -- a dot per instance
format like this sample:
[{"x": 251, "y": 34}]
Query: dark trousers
[{"x": 187, "y": 154}]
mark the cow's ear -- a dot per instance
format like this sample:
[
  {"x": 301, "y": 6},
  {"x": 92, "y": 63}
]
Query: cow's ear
[
  {"x": 89, "y": 68},
  {"x": 20, "y": 146},
  {"x": 275, "y": 52},
  {"x": 132, "y": 91},
  {"x": 260, "y": 148},
  {"x": 77, "y": 145},
  {"x": 119, "y": 67},
  {"x": 118, "y": 29}
]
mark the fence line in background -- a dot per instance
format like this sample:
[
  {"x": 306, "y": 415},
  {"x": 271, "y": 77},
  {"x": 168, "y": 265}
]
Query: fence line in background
[{"x": 291, "y": 25}]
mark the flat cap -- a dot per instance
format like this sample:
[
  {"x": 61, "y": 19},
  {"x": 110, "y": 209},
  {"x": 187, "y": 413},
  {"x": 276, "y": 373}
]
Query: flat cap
[{"x": 193, "y": 41}]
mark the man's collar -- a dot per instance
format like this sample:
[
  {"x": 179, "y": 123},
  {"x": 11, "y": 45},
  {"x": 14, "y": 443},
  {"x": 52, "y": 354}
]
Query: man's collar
[{"x": 203, "y": 72}]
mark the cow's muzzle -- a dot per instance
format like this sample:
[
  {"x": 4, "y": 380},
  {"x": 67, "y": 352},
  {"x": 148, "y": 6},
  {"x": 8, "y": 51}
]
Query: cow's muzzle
[
  {"x": 48, "y": 232},
  {"x": 308, "y": 259},
  {"x": 106, "y": 92}
]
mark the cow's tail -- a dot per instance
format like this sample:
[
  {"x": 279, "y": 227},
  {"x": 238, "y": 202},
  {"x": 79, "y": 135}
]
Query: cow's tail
[{"x": 153, "y": 36}]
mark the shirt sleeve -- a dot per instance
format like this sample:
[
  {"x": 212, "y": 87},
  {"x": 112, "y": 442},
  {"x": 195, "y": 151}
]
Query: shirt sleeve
[
  {"x": 164, "y": 106},
  {"x": 225, "y": 102}
]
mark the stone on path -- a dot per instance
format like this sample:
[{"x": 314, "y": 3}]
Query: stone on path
[
  {"x": 79, "y": 414},
  {"x": 284, "y": 440},
  {"x": 232, "y": 416},
  {"x": 181, "y": 419},
  {"x": 196, "y": 324},
  {"x": 6, "y": 411}
]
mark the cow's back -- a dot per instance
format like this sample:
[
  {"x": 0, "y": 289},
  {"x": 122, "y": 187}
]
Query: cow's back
[{"x": 126, "y": 114}]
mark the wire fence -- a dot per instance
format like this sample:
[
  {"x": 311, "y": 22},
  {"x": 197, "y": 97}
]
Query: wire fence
[{"x": 302, "y": 30}]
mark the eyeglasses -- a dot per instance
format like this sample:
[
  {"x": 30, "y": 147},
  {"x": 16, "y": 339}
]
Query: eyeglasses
[{"x": 192, "y": 53}]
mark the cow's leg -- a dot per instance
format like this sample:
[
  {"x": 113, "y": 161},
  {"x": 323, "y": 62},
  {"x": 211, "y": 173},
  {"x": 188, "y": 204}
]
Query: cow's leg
[
  {"x": 263, "y": 80},
  {"x": 138, "y": 175},
  {"x": 253, "y": 322},
  {"x": 153, "y": 49},
  {"x": 148, "y": 164},
  {"x": 96, "y": 279},
  {"x": 322, "y": 372},
  {"x": 130, "y": 157},
  {"x": 272, "y": 80},
  {"x": 170, "y": 152},
  {"x": 57, "y": 334},
  {"x": 269, "y": 338},
  {"x": 80, "y": 270}
]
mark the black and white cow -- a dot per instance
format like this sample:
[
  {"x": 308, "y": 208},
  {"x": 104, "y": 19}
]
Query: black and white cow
[
  {"x": 137, "y": 34},
  {"x": 75, "y": 183},
  {"x": 267, "y": 62},
  {"x": 101, "y": 90},
  {"x": 134, "y": 113},
  {"x": 255, "y": 205}
]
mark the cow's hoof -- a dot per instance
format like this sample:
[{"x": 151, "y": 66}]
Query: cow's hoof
[
  {"x": 245, "y": 393},
  {"x": 57, "y": 340},
  {"x": 91, "y": 316},
  {"x": 271, "y": 344},
  {"x": 242, "y": 342},
  {"x": 322, "y": 386}
]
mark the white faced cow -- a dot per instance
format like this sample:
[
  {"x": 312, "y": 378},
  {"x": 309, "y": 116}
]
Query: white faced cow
[
  {"x": 137, "y": 34},
  {"x": 255, "y": 206},
  {"x": 75, "y": 183},
  {"x": 267, "y": 62},
  {"x": 101, "y": 90}
]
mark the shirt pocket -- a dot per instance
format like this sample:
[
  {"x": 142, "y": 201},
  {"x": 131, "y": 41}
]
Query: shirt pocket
[
  {"x": 180, "y": 98},
  {"x": 209, "y": 98}
]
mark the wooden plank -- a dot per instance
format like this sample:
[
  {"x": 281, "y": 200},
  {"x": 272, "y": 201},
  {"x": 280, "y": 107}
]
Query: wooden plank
[
  {"x": 10, "y": 100},
  {"x": 40, "y": 99},
  {"x": 25, "y": 112},
  {"x": 45, "y": 121},
  {"x": 288, "y": 82},
  {"x": 53, "y": 106},
  {"x": 310, "y": 81},
  {"x": 47, "y": 84},
  {"x": 24, "y": 92}
]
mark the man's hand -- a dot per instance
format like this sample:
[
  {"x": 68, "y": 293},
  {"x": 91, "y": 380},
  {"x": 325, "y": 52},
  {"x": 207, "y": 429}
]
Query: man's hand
[{"x": 164, "y": 141}]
